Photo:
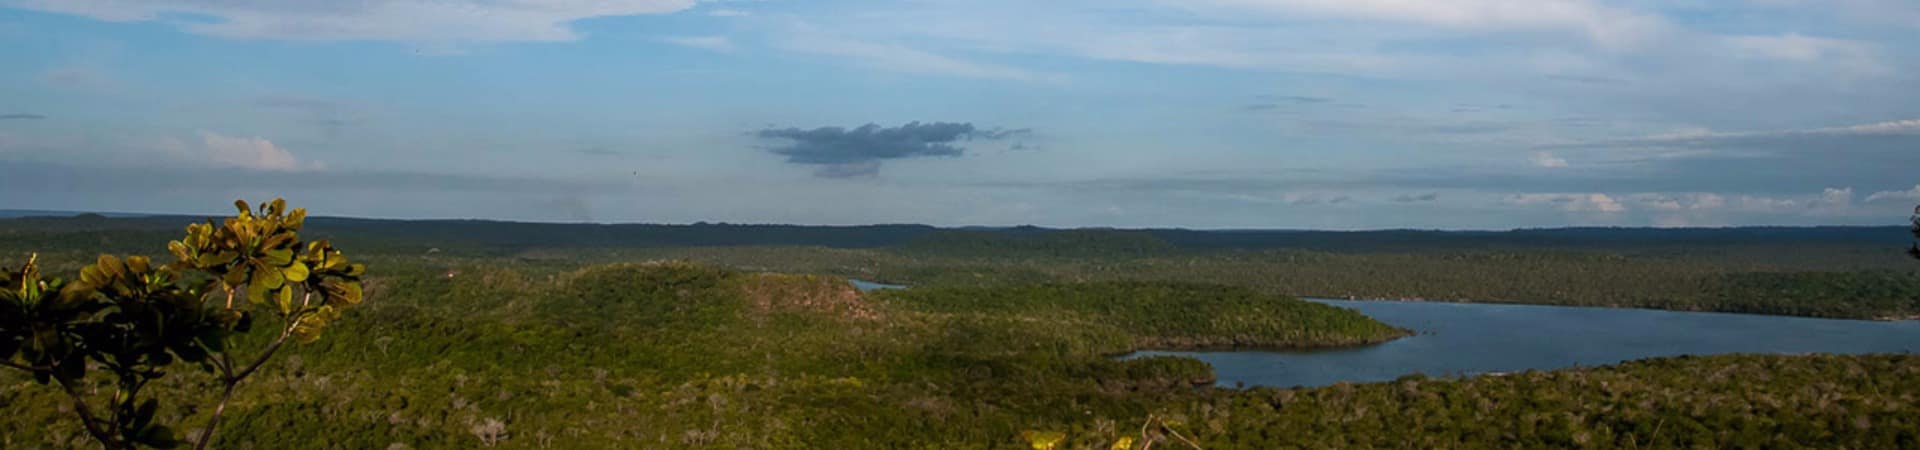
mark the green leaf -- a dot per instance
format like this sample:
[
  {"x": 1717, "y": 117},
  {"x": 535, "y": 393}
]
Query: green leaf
[
  {"x": 92, "y": 276},
  {"x": 277, "y": 257},
  {"x": 234, "y": 277},
  {"x": 7, "y": 348},
  {"x": 295, "y": 273},
  {"x": 257, "y": 293},
  {"x": 308, "y": 329},
  {"x": 281, "y": 240},
  {"x": 179, "y": 250},
  {"x": 139, "y": 264},
  {"x": 284, "y": 297},
  {"x": 143, "y": 415},
  {"x": 111, "y": 266},
  {"x": 159, "y": 436},
  {"x": 212, "y": 259},
  {"x": 295, "y": 219},
  {"x": 343, "y": 293},
  {"x": 268, "y": 276},
  {"x": 72, "y": 368}
]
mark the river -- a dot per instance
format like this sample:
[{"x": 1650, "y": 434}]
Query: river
[{"x": 1476, "y": 338}]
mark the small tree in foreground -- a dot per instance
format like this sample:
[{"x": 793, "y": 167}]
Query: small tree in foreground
[
  {"x": 1915, "y": 249},
  {"x": 131, "y": 320}
]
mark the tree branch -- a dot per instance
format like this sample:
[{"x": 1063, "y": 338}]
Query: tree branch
[
  {"x": 1176, "y": 433},
  {"x": 86, "y": 416},
  {"x": 206, "y": 433},
  {"x": 233, "y": 379},
  {"x": 292, "y": 322},
  {"x": 33, "y": 369}
]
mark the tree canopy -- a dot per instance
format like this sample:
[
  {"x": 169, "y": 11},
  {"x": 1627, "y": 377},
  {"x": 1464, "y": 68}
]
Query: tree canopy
[{"x": 132, "y": 321}]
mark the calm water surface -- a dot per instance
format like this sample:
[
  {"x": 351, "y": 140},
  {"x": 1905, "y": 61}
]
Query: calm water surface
[
  {"x": 864, "y": 285},
  {"x": 1467, "y": 338}
]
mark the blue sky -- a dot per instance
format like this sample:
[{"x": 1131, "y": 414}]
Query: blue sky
[{"x": 1345, "y": 114}]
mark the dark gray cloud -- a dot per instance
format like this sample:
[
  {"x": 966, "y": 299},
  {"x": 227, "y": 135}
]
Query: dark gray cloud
[
  {"x": 1294, "y": 99},
  {"x": 862, "y": 169},
  {"x": 858, "y": 152},
  {"x": 1003, "y": 134},
  {"x": 1273, "y": 102},
  {"x": 21, "y": 116},
  {"x": 1410, "y": 198}
]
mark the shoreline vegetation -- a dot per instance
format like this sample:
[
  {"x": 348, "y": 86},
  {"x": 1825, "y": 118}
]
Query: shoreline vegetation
[{"x": 1526, "y": 303}]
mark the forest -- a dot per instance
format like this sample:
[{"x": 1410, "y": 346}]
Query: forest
[
  {"x": 467, "y": 343},
  {"x": 1834, "y": 272},
  {"x": 675, "y": 354}
]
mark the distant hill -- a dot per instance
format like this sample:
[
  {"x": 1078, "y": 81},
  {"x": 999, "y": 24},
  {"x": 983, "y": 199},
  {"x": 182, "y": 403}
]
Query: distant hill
[
  {"x": 1025, "y": 239},
  {"x": 1029, "y": 241},
  {"x": 14, "y": 213},
  {"x": 1543, "y": 237}
]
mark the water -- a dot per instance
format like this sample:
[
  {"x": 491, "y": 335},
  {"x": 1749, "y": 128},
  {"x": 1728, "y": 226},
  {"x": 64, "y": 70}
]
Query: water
[
  {"x": 864, "y": 285},
  {"x": 1466, "y": 338}
]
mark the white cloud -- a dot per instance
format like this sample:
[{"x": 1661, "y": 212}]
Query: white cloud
[
  {"x": 1686, "y": 201},
  {"x": 900, "y": 58},
  {"x": 1571, "y": 202},
  {"x": 254, "y": 153},
  {"x": 1544, "y": 159},
  {"x": 1856, "y": 57},
  {"x": 1765, "y": 204},
  {"x": 714, "y": 43},
  {"x": 390, "y": 20},
  {"x": 1909, "y": 126},
  {"x": 1907, "y": 195},
  {"x": 1791, "y": 47},
  {"x": 1836, "y": 197},
  {"x": 1604, "y": 25},
  {"x": 1890, "y": 12},
  {"x": 1694, "y": 135}
]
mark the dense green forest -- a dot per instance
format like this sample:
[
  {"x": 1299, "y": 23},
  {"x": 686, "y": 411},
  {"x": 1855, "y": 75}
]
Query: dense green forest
[
  {"x": 466, "y": 342},
  {"x": 1746, "y": 280},
  {"x": 686, "y": 354},
  {"x": 462, "y": 353},
  {"x": 1839, "y": 272}
]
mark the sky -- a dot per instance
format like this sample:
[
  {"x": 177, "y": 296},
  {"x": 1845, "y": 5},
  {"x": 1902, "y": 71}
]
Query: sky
[{"x": 1327, "y": 114}]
